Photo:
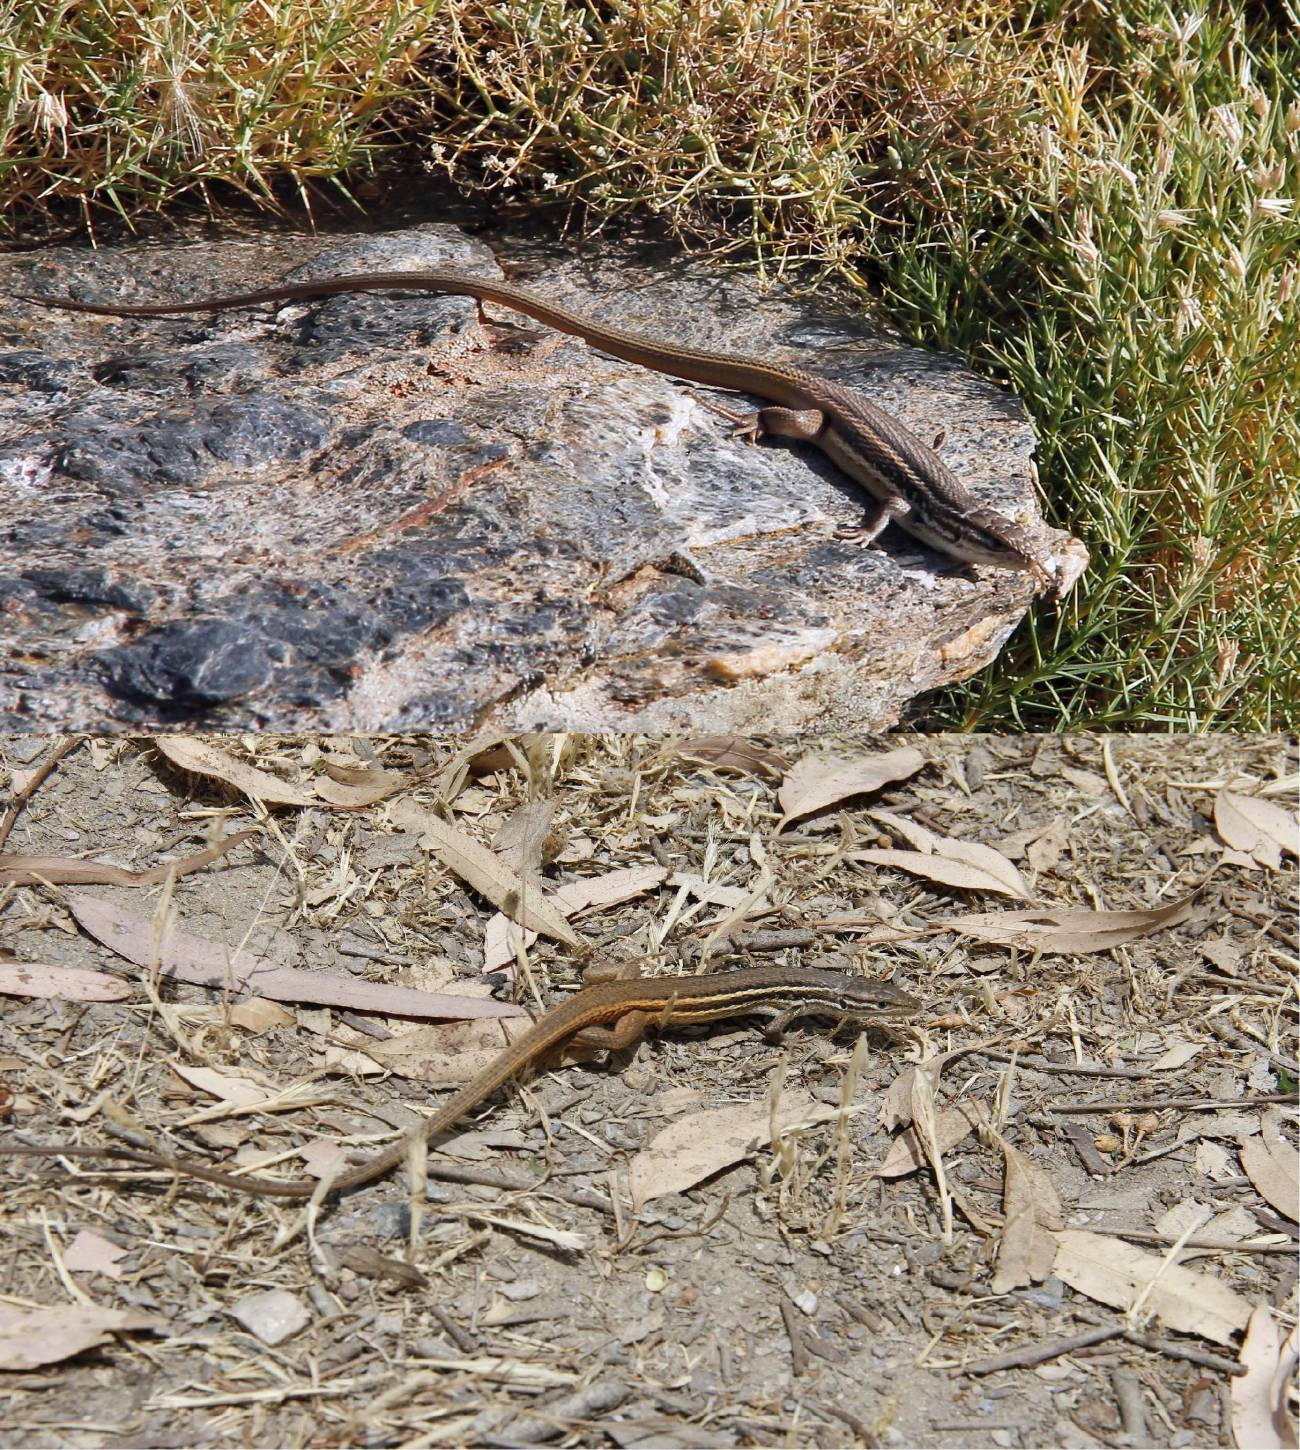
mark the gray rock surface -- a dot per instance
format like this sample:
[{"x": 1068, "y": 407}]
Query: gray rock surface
[{"x": 375, "y": 512}]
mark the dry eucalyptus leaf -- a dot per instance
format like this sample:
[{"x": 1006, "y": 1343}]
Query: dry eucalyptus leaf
[
  {"x": 701, "y": 1144},
  {"x": 1273, "y": 1166},
  {"x": 818, "y": 781},
  {"x": 1115, "y": 1273},
  {"x": 499, "y": 937},
  {"x": 992, "y": 871},
  {"x": 1188, "y": 1216},
  {"x": 521, "y": 841},
  {"x": 194, "y": 959},
  {"x": 1086, "y": 782},
  {"x": 964, "y": 864},
  {"x": 65, "y": 984},
  {"x": 1031, "y": 1214},
  {"x": 225, "y": 1087},
  {"x": 33, "y": 1337},
  {"x": 479, "y": 756},
  {"x": 371, "y": 1264},
  {"x": 446, "y": 1054},
  {"x": 258, "y": 1015},
  {"x": 68, "y": 871},
  {"x": 733, "y": 754},
  {"x": 1213, "y": 1161},
  {"x": 1177, "y": 1054},
  {"x": 919, "y": 837},
  {"x": 590, "y": 893},
  {"x": 1224, "y": 954},
  {"x": 896, "y": 1108},
  {"x": 1235, "y": 1224},
  {"x": 1066, "y": 929},
  {"x": 92, "y": 1253},
  {"x": 1257, "y": 827},
  {"x": 908, "y": 1153},
  {"x": 476, "y": 865},
  {"x": 712, "y": 893},
  {"x": 1044, "y": 852},
  {"x": 896, "y": 1105},
  {"x": 1259, "y": 1413},
  {"x": 359, "y": 785},
  {"x": 611, "y": 889},
  {"x": 322, "y": 1158},
  {"x": 201, "y": 758}
]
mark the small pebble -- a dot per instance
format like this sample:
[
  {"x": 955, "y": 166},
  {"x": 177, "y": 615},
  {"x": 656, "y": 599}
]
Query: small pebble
[{"x": 272, "y": 1315}]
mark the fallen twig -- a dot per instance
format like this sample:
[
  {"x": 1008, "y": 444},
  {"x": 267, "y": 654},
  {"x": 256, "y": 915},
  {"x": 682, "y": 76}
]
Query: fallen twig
[
  {"x": 1138, "y": 1105},
  {"x": 1070, "y": 1069},
  {"x": 1041, "y": 1350},
  {"x": 798, "y": 1349},
  {"x": 62, "y": 747}
]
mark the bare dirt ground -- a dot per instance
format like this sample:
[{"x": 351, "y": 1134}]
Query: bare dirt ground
[{"x": 716, "y": 1240}]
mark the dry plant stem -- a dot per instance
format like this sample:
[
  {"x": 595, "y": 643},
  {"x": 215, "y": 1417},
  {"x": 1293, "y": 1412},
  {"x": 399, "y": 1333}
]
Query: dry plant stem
[
  {"x": 1188, "y": 1352},
  {"x": 1224, "y": 1246},
  {"x": 1132, "y": 1410},
  {"x": 564, "y": 1416},
  {"x": 513, "y": 1183},
  {"x": 1173, "y": 1349},
  {"x": 447, "y": 1172},
  {"x": 20, "y": 799},
  {"x": 1132, "y": 1105},
  {"x": 1067, "y": 1069},
  {"x": 794, "y": 1331},
  {"x": 1235, "y": 1037},
  {"x": 865, "y": 1437},
  {"x": 1040, "y": 1352},
  {"x": 463, "y": 1342}
]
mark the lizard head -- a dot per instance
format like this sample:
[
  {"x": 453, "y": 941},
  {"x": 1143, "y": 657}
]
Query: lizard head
[{"x": 992, "y": 538}]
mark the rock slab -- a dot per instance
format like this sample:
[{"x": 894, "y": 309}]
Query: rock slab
[{"x": 387, "y": 511}]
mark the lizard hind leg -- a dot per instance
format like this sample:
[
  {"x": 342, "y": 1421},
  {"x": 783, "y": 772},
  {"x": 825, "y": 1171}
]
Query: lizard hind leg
[{"x": 803, "y": 424}]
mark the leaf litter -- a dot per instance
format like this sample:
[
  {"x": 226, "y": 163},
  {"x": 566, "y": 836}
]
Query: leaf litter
[{"x": 973, "y": 1222}]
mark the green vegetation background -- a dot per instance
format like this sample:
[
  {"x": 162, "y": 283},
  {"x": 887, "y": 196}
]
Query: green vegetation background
[{"x": 1093, "y": 201}]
